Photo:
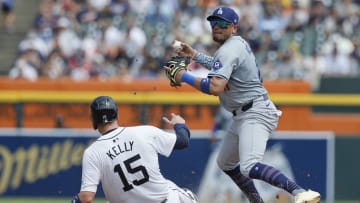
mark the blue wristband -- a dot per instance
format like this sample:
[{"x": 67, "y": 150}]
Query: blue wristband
[
  {"x": 177, "y": 126},
  {"x": 189, "y": 79},
  {"x": 205, "y": 85}
]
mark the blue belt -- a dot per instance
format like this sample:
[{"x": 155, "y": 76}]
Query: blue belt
[{"x": 249, "y": 105}]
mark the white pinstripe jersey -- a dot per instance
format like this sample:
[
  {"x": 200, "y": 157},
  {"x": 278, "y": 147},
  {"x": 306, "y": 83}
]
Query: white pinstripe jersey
[{"x": 126, "y": 162}]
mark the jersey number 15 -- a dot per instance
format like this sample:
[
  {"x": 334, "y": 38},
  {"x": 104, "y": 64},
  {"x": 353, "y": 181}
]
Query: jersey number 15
[{"x": 132, "y": 170}]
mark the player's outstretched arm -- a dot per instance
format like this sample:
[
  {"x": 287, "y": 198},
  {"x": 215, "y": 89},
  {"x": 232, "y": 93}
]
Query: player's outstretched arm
[
  {"x": 181, "y": 131},
  {"x": 213, "y": 86},
  {"x": 175, "y": 119},
  {"x": 176, "y": 72}
]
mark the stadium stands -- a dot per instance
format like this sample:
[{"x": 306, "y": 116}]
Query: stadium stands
[{"x": 111, "y": 39}]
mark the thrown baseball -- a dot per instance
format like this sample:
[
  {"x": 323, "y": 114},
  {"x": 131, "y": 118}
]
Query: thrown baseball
[{"x": 177, "y": 45}]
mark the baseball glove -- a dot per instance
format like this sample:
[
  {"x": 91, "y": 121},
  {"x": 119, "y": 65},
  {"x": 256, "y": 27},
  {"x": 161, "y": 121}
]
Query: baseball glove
[{"x": 176, "y": 64}]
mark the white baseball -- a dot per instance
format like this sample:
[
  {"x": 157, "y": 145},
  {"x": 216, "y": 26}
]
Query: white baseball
[{"x": 177, "y": 45}]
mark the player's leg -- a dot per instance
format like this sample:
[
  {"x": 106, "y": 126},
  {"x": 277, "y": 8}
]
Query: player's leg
[
  {"x": 179, "y": 195},
  {"x": 228, "y": 161},
  {"x": 276, "y": 178},
  {"x": 254, "y": 134},
  {"x": 187, "y": 196},
  {"x": 172, "y": 196}
]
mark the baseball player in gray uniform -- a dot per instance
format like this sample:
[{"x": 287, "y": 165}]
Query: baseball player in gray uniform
[
  {"x": 125, "y": 159},
  {"x": 235, "y": 77}
]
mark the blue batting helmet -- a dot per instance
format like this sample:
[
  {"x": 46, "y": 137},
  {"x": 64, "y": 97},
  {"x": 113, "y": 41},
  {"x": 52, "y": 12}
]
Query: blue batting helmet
[{"x": 103, "y": 110}]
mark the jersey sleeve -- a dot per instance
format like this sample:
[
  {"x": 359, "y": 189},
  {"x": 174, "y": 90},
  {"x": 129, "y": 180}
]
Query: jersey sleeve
[
  {"x": 226, "y": 59},
  {"x": 90, "y": 172},
  {"x": 162, "y": 141},
  {"x": 204, "y": 60}
]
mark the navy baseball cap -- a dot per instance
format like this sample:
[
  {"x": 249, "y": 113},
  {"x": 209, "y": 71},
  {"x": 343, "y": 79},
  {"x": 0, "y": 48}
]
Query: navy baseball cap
[{"x": 225, "y": 13}]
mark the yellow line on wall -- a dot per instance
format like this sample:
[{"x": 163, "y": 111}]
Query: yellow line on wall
[
  {"x": 120, "y": 97},
  {"x": 170, "y": 98},
  {"x": 316, "y": 99}
]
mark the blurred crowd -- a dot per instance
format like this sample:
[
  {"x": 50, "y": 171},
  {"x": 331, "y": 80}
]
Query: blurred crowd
[{"x": 125, "y": 39}]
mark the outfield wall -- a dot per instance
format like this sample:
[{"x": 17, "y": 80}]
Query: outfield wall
[
  {"x": 47, "y": 162},
  {"x": 47, "y": 103}
]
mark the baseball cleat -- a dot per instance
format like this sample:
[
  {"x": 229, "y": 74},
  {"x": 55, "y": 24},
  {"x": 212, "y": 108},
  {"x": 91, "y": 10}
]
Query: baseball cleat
[{"x": 307, "y": 197}]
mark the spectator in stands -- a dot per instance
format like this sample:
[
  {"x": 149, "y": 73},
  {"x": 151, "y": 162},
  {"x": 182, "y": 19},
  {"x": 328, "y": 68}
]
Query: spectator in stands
[
  {"x": 293, "y": 33},
  {"x": 356, "y": 55},
  {"x": 314, "y": 31},
  {"x": 252, "y": 9},
  {"x": 106, "y": 54},
  {"x": 80, "y": 69},
  {"x": 26, "y": 65},
  {"x": 87, "y": 17},
  {"x": 45, "y": 21},
  {"x": 9, "y": 16},
  {"x": 99, "y": 5},
  {"x": 346, "y": 8},
  {"x": 119, "y": 8},
  {"x": 289, "y": 66},
  {"x": 337, "y": 53},
  {"x": 55, "y": 65},
  {"x": 134, "y": 45},
  {"x": 65, "y": 38},
  {"x": 314, "y": 67},
  {"x": 272, "y": 21}
]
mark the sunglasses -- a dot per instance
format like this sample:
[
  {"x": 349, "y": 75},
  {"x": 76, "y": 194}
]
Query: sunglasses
[{"x": 221, "y": 23}]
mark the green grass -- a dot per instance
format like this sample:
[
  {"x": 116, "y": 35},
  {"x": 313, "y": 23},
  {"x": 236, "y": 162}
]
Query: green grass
[{"x": 62, "y": 200}]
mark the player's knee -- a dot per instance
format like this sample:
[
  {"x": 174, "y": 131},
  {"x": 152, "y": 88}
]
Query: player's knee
[
  {"x": 225, "y": 165},
  {"x": 220, "y": 163}
]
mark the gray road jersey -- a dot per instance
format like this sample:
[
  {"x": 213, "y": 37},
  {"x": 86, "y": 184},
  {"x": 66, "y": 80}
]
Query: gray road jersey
[{"x": 235, "y": 62}]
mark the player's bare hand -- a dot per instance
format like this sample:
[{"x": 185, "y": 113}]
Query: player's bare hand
[
  {"x": 175, "y": 119},
  {"x": 186, "y": 50}
]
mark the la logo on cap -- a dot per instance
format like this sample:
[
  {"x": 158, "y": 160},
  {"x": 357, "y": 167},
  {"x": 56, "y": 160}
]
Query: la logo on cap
[{"x": 220, "y": 11}]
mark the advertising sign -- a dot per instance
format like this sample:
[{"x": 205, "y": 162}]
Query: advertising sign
[{"x": 47, "y": 162}]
